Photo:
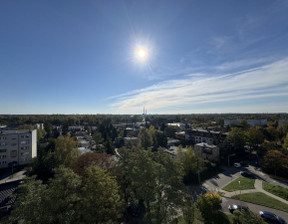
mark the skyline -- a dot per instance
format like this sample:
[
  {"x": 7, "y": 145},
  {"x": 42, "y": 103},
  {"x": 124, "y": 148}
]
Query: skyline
[{"x": 73, "y": 57}]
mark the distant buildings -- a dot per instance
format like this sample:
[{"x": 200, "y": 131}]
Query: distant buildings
[
  {"x": 228, "y": 122},
  {"x": 17, "y": 147},
  {"x": 252, "y": 122},
  {"x": 207, "y": 152},
  {"x": 257, "y": 122},
  {"x": 205, "y": 136}
]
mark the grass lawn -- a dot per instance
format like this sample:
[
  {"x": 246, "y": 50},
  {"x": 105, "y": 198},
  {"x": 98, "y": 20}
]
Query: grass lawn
[
  {"x": 263, "y": 199},
  {"x": 245, "y": 183},
  {"x": 276, "y": 190}
]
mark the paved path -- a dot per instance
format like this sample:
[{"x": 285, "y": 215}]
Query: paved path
[
  {"x": 16, "y": 176},
  {"x": 258, "y": 188}
]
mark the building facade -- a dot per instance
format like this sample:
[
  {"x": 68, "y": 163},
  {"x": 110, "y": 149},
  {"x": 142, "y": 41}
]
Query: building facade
[
  {"x": 17, "y": 147},
  {"x": 207, "y": 152}
]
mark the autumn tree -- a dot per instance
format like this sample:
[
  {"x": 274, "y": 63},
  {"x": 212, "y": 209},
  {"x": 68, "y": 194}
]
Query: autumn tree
[
  {"x": 102, "y": 160},
  {"x": 209, "y": 204}
]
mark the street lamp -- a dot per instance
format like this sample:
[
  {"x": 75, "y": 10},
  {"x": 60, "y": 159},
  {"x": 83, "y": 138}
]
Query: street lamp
[{"x": 240, "y": 189}]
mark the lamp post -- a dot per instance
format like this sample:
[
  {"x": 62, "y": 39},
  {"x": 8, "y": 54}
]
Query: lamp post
[{"x": 240, "y": 189}]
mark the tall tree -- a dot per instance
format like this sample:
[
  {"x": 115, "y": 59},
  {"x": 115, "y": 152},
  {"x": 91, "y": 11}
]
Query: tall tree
[
  {"x": 254, "y": 137},
  {"x": 154, "y": 180},
  {"x": 66, "y": 150},
  {"x": 209, "y": 204},
  {"x": 236, "y": 138},
  {"x": 274, "y": 161},
  {"x": 145, "y": 138},
  {"x": 100, "y": 199},
  {"x": 29, "y": 205}
]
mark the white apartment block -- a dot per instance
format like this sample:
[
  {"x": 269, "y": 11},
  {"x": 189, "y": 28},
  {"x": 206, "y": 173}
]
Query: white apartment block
[{"x": 17, "y": 147}]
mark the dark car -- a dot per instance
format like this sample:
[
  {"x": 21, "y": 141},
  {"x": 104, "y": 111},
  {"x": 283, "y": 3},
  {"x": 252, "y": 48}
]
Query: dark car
[
  {"x": 133, "y": 209},
  {"x": 269, "y": 217},
  {"x": 246, "y": 174},
  {"x": 240, "y": 208}
]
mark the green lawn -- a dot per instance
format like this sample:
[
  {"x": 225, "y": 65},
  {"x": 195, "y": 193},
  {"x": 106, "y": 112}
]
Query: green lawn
[
  {"x": 276, "y": 190},
  {"x": 263, "y": 199},
  {"x": 245, "y": 183}
]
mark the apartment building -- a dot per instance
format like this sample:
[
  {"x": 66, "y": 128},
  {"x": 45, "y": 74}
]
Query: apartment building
[
  {"x": 17, "y": 147},
  {"x": 206, "y": 136}
]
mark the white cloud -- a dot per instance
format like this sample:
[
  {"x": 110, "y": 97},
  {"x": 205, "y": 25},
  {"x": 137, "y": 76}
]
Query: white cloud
[{"x": 184, "y": 94}]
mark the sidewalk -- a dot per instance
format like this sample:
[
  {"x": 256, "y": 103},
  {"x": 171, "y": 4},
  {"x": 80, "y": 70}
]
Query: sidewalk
[
  {"x": 16, "y": 176},
  {"x": 258, "y": 188}
]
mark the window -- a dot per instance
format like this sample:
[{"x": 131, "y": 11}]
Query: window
[
  {"x": 13, "y": 153},
  {"x": 3, "y": 150}
]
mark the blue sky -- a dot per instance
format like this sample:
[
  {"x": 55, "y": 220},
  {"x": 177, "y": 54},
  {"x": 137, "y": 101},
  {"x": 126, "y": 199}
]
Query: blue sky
[{"x": 203, "y": 56}]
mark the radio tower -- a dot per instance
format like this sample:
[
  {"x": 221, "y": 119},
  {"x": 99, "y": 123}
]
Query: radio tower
[{"x": 144, "y": 114}]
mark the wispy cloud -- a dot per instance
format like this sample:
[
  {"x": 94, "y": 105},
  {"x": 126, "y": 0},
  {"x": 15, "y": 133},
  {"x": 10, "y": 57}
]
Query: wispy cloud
[{"x": 259, "y": 83}]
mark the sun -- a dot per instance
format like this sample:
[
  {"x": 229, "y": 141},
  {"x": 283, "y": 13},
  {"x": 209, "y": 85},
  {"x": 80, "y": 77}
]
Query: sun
[{"x": 141, "y": 53}]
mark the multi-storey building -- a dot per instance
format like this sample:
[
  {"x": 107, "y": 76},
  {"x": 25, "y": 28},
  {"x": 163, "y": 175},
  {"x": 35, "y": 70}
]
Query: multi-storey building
[
  {"x": 206, "y": 136},
  {"x": 17, "y": 147}
]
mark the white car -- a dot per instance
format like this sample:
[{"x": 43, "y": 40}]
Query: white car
[{"x": 237, "y": 164}]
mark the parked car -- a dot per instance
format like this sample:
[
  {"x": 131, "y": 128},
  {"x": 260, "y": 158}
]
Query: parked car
[
  {"x": 237, "y": 164},
  {"x": 246, "y": 174},
  {"x": 270, "y": 217},
  {"x": 240, "y": 208}
]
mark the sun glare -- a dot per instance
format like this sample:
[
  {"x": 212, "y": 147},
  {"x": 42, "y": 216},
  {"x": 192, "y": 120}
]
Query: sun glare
[{"x": 141, "y": 53}]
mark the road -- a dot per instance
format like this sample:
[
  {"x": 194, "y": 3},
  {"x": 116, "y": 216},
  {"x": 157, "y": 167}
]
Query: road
[
  {"x": 229, "y": 174},
  {"x": 253, "y": 207}
]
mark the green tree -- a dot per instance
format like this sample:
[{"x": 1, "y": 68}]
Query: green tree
[
  {"x": 30, "y": 203},
  {"x": 145, "y": 138},
  {"x": 62, "y": 196},
  {"x": 250, "y": 218},
  {"x": 273, "y": 161},
  {"x": 99, "y": 140},
  {"x": 158, "y": 138},
  {"x": 209, "y": 204},
  {"x": 190, "y": 164},
  {"x": 254, "y": 137},
  {"x": 100, "y": 198},
  {"x": 285, "y": 144},
  {"x": 236, "y": 138},
  {"x": 188, "y": 210},
  {"x": 154, "y": 180},
  {"x": 66, "y": 150}
]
